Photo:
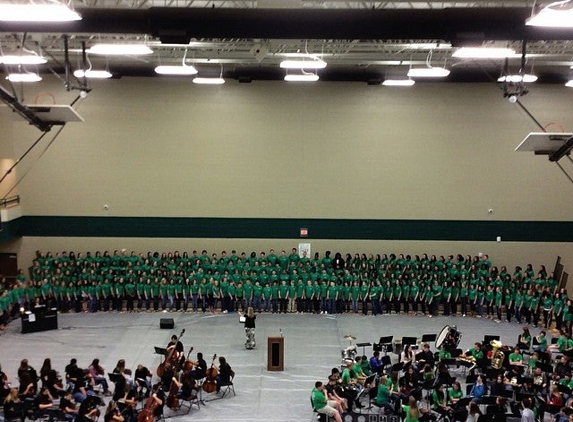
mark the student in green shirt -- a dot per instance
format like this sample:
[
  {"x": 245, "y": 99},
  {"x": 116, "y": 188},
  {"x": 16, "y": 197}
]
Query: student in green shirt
[{"x": 411, "y": 411}]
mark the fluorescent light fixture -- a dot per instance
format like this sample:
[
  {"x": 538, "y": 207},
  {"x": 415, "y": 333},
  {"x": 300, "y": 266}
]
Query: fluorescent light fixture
[
  {"x": 40, "y": 12},
  {"x": 428, "y": 72},
  {"x": 303, "y": 64},
  {"x": 92, "y": 74},
  {"x": 22, "y": 59},
  {"x": 398, "y": 82},
  {"x": 517, "y": 78},
  {"x": 208, "y": 81},
  {"x": 23, "y": 77},
  {"x": 176, "y": 70},
  {"x": 483, "y": 53},
  {"x": 120, "y": 49},
  {"x": 569, "y": 83},
  {"x": 556, "y": 15},
  {"x": 302, "y": 78}
]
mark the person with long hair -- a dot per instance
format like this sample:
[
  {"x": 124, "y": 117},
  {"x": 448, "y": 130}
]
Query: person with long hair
[
  {"x": 250, "y": 318},
  {"x": 412, "y": 413}
]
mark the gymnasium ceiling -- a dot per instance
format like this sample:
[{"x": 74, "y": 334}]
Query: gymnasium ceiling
[{"x": 360, "y": 40}]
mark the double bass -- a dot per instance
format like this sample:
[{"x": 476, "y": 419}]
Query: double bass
[
  {"x": 210, "y": 385},
  {"x": 169, "y": 358}
]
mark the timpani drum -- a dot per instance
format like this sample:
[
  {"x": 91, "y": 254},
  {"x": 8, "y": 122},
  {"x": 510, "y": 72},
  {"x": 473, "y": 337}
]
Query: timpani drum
[{"x": 449, "y": 337}]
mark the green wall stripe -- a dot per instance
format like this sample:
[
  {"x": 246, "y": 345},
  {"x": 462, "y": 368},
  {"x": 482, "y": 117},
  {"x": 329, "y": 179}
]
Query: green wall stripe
[{"x": 283, "y": 228}]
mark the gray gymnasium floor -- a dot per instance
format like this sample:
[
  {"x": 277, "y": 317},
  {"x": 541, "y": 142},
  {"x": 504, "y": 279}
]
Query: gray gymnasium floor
[{"x": 313, "y": 346}]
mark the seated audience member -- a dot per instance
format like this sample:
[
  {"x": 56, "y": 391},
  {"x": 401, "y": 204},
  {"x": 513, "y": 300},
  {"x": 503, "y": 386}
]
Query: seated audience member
[
  {"x": 474, "y": 412},
  {"x": 97, "y": 373},
  {"x": 439, "y": 401},
  {"x": 375, "y": 361},
  {"x": 478, "y": 390},
  {"x": 425, "y": 356},
  {"x": 527, "y": 414},
  {"x": 225, "y": 373},
  {"x": 322, "y": 405},
  {"x": 14, "y": 407},
  {"x": 383, "y": 396},
  {"x": 68, "y": 407},
  {"x": 358, "y": 372},
  {"x": 541, "y": 339},
  {"x": 331, "y": 393}
]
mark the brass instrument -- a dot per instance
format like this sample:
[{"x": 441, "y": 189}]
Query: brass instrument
[{"x": 497, "y": 356}]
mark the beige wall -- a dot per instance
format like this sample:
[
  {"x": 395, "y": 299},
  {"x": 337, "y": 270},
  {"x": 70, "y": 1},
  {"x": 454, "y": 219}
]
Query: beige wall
[
  {"x": 159, "y": 147},
  {"x": 166, "y": 147}
]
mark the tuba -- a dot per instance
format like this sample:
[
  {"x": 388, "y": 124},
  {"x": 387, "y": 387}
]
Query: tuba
[{"x": 497, "y": 356}]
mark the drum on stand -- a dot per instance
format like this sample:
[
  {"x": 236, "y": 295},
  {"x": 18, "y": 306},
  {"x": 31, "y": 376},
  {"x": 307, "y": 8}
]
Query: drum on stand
[{"x": 449, "y": 337}]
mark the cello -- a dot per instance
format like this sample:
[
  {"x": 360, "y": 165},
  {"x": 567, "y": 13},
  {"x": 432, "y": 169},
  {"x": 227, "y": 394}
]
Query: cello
[
  {"x": 188, "y": 365},
  {"x": 210, "y": 385},
  {"x": 169, "y": 358},
  {"x": 147, "y": 414}
]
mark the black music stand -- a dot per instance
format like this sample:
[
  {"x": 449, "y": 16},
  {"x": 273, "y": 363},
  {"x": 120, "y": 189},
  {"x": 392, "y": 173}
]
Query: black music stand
[
  {"x": 545, "y": 367},
  {"x": 487, "y": 339},
  {"x": 397, "y": 367},
  {"x": 429, "y": 338},
  {"x": 363, "y": 345},
  {"x": 160, "y": 351},
  {"x": 409, "y": 340},
  {"x": 564, "y": 389},
  {"x": 386, "y": 344}
]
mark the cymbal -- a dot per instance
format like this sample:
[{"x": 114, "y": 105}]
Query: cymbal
[{"x": 349, "y": 337}]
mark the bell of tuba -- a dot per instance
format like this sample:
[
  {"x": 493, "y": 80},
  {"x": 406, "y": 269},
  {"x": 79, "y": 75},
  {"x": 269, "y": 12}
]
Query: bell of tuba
[{"x": 497, "y": 356}]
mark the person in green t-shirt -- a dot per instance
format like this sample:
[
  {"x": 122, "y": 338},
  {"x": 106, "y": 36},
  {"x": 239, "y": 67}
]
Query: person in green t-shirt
[
  {"x": 330, "y": 408},
  {"x": 411, "y": 411}
]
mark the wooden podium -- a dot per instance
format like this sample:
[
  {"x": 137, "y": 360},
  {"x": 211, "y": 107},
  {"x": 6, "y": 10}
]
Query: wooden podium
[{"x": 275, "y": 353}]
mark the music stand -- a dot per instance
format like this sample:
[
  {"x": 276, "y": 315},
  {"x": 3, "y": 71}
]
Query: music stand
[
  {"x": 545, "y": 367},
  {"x": 363, "y": 345},
  {"x": 409, "y": 340},
  {"x": 463, "y": 402},
  {"x": 564, "y": 389},
  {"x": 487, "y": 339},
  {"x": 429, "y": 338},
  {"x": 397, "y": 367},
  {"x": 160, "y": 351},
  {"x": 386, "y": 343}
]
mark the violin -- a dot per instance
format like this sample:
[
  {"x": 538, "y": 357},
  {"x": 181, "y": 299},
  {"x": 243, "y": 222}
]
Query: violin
[
  {"x": 170, "y": 358},
  {"x": 210, "y": 385},
  {"x": 147, "y": 414}
]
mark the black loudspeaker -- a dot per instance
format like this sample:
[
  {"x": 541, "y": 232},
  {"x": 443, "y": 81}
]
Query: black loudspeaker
[{"x": 166, "y": 323}]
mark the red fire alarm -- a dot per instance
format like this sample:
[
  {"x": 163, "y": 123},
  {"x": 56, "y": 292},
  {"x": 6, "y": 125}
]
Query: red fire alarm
[{"x": 303, "y": 232}]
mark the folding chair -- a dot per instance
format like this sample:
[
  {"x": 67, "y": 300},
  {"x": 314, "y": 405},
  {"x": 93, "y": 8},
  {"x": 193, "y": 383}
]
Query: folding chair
[
  {"x": 188, "y": 402},
  {"x": 228, "y": 387}
]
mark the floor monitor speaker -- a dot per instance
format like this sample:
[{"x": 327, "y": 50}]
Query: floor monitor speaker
[{"x": 166, "y": 323}]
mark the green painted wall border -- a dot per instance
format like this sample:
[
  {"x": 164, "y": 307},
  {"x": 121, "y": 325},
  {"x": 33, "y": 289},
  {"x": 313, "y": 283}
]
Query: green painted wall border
[{"x": 288, "y": 228}]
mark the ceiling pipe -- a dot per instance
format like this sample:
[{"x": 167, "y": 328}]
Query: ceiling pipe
[{"x": 183, "y": 24}]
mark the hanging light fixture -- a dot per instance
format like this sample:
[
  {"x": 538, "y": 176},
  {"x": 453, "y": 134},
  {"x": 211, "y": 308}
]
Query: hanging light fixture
[
  {"x": 23, "y": 77},
  {"x": 483, "y": 53},
  {"x": 569, "y": 83},
  {"x": 429, "y": 71},
  {"x": 301, "y": 75},
  {"x": 47, "y": 11},
  {"x": 397, "y": 77},
  {"x": 310, "y": 62},
  {"x": 92, "y": 74},
  {"x": 25, "y": 59},
  {"x": 120, "y": 50},
  {"x": 518, "y": 78},
  {"x": 200, "y": 80},
  {"x": 178, "y": 70}
]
